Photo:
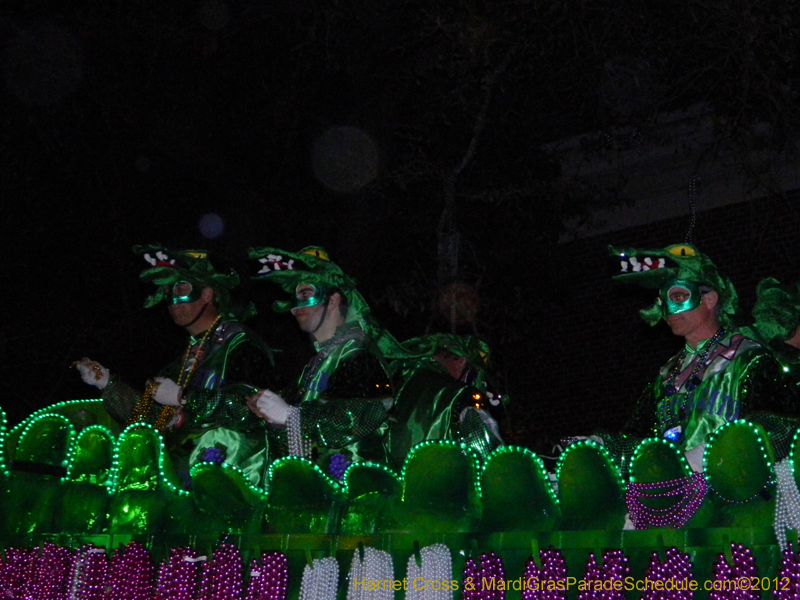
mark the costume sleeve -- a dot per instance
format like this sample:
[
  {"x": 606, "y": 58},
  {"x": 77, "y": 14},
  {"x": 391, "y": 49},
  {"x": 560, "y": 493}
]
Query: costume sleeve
[
  {"x": 244, "y": 369},
  {"x": 353, "y": 405},
  {"x": 479, "y": 431},
  {"x": 119, "y": 399}
]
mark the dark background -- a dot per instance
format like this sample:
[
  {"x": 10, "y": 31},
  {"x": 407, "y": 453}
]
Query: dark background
[{"x": 382, "y": 130}]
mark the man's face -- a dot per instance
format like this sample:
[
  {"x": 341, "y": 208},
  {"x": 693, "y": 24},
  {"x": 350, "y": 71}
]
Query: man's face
[
  {"x": 309, "y": 307},
  {"x": 185, "y": 291},
  {"x": 454, "y": 364},
  {"x": 186, "y": 303},
  {"x": 679, "y": 296},
  {"x": 686, "y": 322}
]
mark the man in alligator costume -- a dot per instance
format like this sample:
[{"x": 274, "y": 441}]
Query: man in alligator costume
[
  {"x": 199, "y": 401},
  {"x": 720, "y": 374},
  {"x": 338, "y": 409},
  {"x": 445, "y": 394}
]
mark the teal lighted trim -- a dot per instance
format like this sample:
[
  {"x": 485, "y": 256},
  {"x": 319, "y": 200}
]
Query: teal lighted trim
[
  {"x": 49, "y": 410},
  {"x": 290, "y": 459},
  {"x": 228, "y": 467},
  {"x": 3, "y": 423},
  {"x": 713, "y": 437},
  {"x": 475, "y": 462},
  {"x": 543, "y": 475},
  {"x": 603, "y": 452},
  {"x": 716, "y": 433},
  {"x": 113, "y": 480},
  {"x": 40, "y": 417},
  {"x": 792, "y": 449},
  {"x": 687, "y": 470},
  {"x": 74, "y": 451},
  {"x": 345, "y": 484}
]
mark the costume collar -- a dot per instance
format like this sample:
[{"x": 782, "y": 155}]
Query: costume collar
[
  {"x": 215, "y": 329},
  {"x": 344, "y": 332},
  {"x": 701, "y": 345}
]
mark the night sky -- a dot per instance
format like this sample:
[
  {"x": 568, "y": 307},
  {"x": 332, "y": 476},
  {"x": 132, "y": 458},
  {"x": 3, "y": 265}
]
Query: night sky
[{"x": 366, "y": 127}]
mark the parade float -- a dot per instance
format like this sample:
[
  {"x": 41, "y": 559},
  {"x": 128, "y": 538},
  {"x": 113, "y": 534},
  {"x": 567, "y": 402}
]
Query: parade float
[{"x": 91, "y": 511}]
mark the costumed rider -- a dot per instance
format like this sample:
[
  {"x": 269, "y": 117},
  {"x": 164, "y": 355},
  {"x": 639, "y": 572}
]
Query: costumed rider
[
  {"x": 336, "y": 413},
  {"x": 445, "y": 394},
  {"x": 199, "y": 401},
  {"x": 720, "y": 375}
]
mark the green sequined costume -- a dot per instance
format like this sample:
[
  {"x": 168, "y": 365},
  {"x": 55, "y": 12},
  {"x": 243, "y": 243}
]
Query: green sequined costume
[
  {"x": 234, "y": 363},
  {"x": 431, "y": 405},
  {"x": 344, "y": 395},
  {"x": 741, "y": 380}
]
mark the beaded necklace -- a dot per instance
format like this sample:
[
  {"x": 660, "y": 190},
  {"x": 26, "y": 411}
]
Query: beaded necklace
[
  {"x": 787, "y": 506},
  {"x": 689, "y": 492},
  {"x": 188, "y": 367},
  {"x": 696, "y": 376},
  {"x": 763, "y": 492}
]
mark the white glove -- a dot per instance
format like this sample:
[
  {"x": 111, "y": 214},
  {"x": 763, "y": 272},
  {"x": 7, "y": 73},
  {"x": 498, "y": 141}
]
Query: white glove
[
  {"x": 168, "y": 392},
  {"x": 272, "y": 407},
  {"x": 92, "y": 373}
]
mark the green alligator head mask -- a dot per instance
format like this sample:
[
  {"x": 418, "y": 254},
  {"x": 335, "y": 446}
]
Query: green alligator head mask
[{"x": 653, "y": 268}]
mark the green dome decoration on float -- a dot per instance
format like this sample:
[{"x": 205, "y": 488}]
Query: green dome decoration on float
[
  {"x": 92, "y": 509},
  {"x": 72, "y": 483}
]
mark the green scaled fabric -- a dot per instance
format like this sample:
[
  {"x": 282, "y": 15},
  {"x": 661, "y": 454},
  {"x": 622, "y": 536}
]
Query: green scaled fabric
[
  {"x": 741, "y": 380},
  {"x": 652, "y": 268},
  {"x": 312, "y": 266},
  {"x": 235, "y": 363},
  {"x": 168, "y": 267},
  {"x": 344, "y": 394},
  {"x": 476, "y": 351},
  {"x": 429, "y": 405},
  {"x": 777, "y": 310}
]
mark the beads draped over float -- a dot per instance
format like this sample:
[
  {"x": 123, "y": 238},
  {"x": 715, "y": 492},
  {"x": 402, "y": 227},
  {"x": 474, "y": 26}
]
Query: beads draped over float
[
  {"x": 178, "y": 575},
  {"x": 677, "y": 569},
  {"x": 88, "y": 574},
  {"x": 790, "y": 574},
  {"x": 130, "y": 576},
  {"x": 787, "y": 504},
  {"x": 743, "y": 568},
  {"x": 320, "y": 579},
  {"x": 372, "y": 577},
  {"x": 614, "y": 568},
  {"x": 543, "y": 584},
  {"x": 435, "y": 565},
  {"x": 490, "y": 570},
  {"x": 270, "y": 580},
  {"x": 223, "y": 574},
  {"x": 688, "y": 491}
]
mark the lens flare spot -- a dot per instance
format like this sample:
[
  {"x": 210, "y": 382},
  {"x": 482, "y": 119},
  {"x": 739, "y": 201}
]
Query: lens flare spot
[
  {"x": 345, "y": 159},
  {"x": 211, "y": 226}
]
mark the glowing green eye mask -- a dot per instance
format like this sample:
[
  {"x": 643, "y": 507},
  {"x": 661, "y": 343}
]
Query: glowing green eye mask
[{"x": 679, "y": 295}]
